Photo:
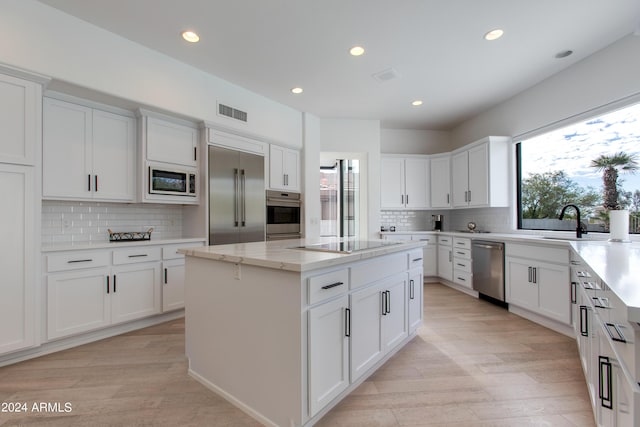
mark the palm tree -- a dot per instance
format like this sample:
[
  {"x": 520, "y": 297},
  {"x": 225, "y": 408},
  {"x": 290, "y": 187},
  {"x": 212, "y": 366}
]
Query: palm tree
[{"x": 610, "y": 165}]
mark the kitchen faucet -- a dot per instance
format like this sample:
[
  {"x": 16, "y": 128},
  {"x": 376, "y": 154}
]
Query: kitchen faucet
[{"x": 581, "y": 228}]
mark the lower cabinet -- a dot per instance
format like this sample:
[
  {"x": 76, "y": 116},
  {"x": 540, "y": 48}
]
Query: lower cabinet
[
  {"x": 445, "y": 262},
  {"x": 135, "y": 292},
  {"x": 172, "y": 284},
  {"x": 415, "y": 301}
]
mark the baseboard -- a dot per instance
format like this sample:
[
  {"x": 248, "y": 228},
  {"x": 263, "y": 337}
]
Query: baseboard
[
  {"x": 543, "y": 321},
  {"x": 86, "y": 338}
]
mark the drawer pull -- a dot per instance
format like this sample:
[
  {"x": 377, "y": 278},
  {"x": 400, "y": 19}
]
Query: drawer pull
[
  {"x": 605, "y": 400},
  {"x": 584, "y": 321},
  {"x": 600, "y": 302},
  {"x": 417, "y": 259},
  {"x": 462, "y": 279},
  {"x": 620, "y": 336},
  {"x": 333, "y": 285},
  {"x": 461, "y": 265},
  {"x": 138, "y": 256},
  {"x": 73, "y": 261},
  {"x": 460, "y": 253}
]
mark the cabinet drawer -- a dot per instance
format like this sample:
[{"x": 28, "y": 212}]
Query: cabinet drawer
[
  {"x": 171, "y": 251},
  {"x": 416, "y": 258},
  {"x": 431, "y": 240},
  {"x": 461, "y": 253},
  {"x": 366, "y": 272},
  {"x": 460, "y": 264},
  {"x": 327, "y": 285},
  {"x": 463, "y": 278},
  {"x": 541, "y": 253},
  {"x": 445, "y": 240},
  {"x": 77, "y": 260},
  {"x": 141, "y": 254},
  {"x": 461, "y": 242}
]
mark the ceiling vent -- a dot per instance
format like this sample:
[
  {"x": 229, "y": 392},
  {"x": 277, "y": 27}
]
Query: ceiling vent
[
  {"x": 233, "y": 113},
  {"x": 386, "y": 75}
]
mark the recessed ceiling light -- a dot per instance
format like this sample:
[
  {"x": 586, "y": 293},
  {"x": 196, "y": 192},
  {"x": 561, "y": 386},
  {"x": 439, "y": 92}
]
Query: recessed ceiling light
[
  {"x": 356, "y": 50},
  {"x": 494, "y": 34},
  {"x": 416, "y": 103},
  {"x": 297, "y": 90},
  {"x": 190, "y": 36},
  {"x": 563, "y": 54}
]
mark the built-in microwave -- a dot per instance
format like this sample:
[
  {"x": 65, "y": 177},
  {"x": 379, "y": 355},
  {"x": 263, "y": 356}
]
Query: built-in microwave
[{"x": 173, "y": 182}]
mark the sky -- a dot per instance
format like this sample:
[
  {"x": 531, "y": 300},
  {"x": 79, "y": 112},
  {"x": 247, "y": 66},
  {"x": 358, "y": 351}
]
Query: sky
[{"x": 572, "y": 148}]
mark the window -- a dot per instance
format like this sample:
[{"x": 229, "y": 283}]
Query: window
[{"x": 555, "y": 169}]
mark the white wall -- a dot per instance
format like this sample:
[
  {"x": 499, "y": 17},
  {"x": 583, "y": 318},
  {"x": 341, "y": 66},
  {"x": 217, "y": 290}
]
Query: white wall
[
  {"x": 604, "y": 77},
  {"x": 38, "y": 38},
  {"x": 311, "y": 183},
  {"x": 358, "y": 139},
  {"x": 414, "y": 141}
]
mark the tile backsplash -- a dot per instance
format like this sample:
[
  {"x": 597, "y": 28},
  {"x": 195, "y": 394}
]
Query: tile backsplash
[
  {"x": 73, "y": 222},
  {"x": 486, "y": 219}
]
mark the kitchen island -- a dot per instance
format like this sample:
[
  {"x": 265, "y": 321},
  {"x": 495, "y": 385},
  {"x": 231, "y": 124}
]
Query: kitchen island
[{"x": 285, "y": 332}]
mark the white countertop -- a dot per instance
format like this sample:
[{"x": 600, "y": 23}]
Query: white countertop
[
  {"x": 284, "y": 254},
  {"x": 617, "y": 265},
  {"x": 84, "y": 246}
]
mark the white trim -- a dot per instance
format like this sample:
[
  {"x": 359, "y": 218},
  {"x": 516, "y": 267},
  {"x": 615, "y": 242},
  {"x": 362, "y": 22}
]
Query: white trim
[{"x": 543, "y": 321}]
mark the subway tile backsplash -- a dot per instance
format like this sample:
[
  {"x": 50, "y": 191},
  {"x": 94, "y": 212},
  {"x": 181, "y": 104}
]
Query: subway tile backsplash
[
  {"x": 486, "y": 219},
  {"x": 74, "y": 222}
]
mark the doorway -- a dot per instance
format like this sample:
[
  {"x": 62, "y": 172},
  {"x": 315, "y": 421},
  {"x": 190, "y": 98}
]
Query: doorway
[{"x": 340, "y": 199}]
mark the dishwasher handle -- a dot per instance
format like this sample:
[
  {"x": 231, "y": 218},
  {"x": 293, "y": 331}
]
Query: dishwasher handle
[{"x": 488, "y": 246}]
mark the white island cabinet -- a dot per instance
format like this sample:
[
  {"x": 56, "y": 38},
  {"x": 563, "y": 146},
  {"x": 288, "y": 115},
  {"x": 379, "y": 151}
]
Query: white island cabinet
[{"x": 285, "y": 333}]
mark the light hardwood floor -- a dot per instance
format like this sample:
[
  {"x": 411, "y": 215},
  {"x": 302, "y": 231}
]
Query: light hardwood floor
[{"x": 472, "y": 364}]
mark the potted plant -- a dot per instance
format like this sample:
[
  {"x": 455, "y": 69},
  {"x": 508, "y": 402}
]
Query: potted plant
[{"x": 611, "y": 166}]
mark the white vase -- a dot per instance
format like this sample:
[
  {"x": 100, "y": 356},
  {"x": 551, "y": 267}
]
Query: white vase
[{"x": 619, "y": 226}]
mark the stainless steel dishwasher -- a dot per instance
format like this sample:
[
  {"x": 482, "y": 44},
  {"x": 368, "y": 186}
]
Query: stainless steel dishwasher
[{"x": 488, "y": 269}]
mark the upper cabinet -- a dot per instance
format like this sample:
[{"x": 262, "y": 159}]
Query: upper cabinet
[
  {"x": 480, "y": 173},
  {"x": 88, "y": 154},
  {"x": 20, "y": 106},
  {"x": 404, "y": 182},
  {"x": 284, "y": 169},
  {"x": 441, "y": 182},
  {"x": 170, "y": 142}
]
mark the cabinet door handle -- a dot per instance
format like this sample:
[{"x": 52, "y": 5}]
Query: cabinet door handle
[
  {"x": 195, "y": 154},
  {"x": 388, "y": 301},
  {"x": 469, "y": 196},
  {"x": 530, "y": 271},
  {"x": 605, "y": 366},
  {"x": 165, "y": 276},
  {"x": 573, "y": 292},
  {"x": 347, "y": 322},
  {"x": 95, "y": 183},
  {"x": 73, "y": 261},
  {"x": 383, "y": 298},
  {"x": 620, "y": 336},
  {"x": 88, "y": 182},
  {"x": 406, "y": 198},
  {"x": 448, "y": 198},
  {"x": 107, "y": 284},
  {"x": 402, "y": 199},
  {"x": 411, "y": 291},
  {"x": 535, "y": 274},
  {"x": 584, "y": 321},
  {"x": 114, "y": 283},
  {"x": 333, "y": 285},
  {"x": 450, "y": 256}
]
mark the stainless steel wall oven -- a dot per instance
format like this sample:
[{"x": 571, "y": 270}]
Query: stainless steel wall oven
[{"x": 283, "y": 215}]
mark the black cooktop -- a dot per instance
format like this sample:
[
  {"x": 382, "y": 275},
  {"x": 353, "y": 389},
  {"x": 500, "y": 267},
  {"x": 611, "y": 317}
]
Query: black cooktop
[{"x": 348, "y": 246}]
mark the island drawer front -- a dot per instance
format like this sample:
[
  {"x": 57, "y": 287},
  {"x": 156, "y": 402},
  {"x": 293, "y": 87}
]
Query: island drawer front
[
  {"x": 461, "y": 242},
  {"x": 431, "y": 240},
  {"x": 541, "y": 253},
  {"x": 366, "y": 272},
  {"x": 77, "y": 260},
  {"x": 133, "y": 255},
  {"x": 463, "y": 278},
  {"x": 445, "y": 240},
  {"x": 462, "y": 253},
  {"x": 171, "y": 251},
  {"x": 327, "y": 285},
  {"x": 416, "y": 258},
  {"x": 462, "y": 265}
]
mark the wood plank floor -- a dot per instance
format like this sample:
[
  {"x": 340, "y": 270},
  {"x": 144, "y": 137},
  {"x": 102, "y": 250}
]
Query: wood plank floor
[{"x": 472, "y": 364}]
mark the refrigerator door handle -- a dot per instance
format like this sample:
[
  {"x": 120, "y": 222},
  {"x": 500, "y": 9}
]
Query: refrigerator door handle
[
  {"x": 244, "y": 198},
  {"x": 236, "y": 189}
]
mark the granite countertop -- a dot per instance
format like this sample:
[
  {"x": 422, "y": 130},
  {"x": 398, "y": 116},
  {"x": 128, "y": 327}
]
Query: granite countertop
[
  {"x": 617, "y": 265},
  {"x": 83, "y": 246},
  {"x": 285, "y": 254}
]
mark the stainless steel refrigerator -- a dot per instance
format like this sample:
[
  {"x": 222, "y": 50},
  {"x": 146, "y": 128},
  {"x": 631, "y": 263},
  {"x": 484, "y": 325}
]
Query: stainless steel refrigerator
[{"x": 236, "y": 197}]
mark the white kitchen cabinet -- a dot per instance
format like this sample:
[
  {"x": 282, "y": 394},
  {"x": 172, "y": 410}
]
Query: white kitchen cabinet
[
  {"x": 17, "y": 258},
  {"x": 170, "y": 142},
  {"x": 20, "y": 112},
  {"x": 480, "y": 173},
  {"x": 78, "y": 301},
  {"x": 415, "y": 301},
  {"x": 537, "y": 279},
  {"x": 404, "y": 182},
  {"x": 462, "y": 271},
  {"x": 441, "y": 182},
  {"x": 394, "y": 317},
  {"x": 429, "y": 252},
  {"x": 445, "y": 258},
  {"x": 135, "y": 292},
  {"x": 284, "y": 169},
  {"x": 328, "y": 352},
  {"x": 367, "y": 346},
  {"x": 172, "y": 284},
  {"x": 88, "y": 154}
]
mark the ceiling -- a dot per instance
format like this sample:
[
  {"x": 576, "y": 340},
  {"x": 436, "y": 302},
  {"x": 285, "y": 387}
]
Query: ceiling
[{"x": 436, "y": 48}]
